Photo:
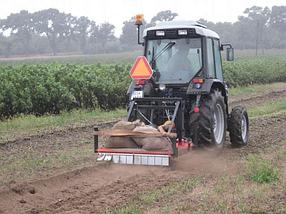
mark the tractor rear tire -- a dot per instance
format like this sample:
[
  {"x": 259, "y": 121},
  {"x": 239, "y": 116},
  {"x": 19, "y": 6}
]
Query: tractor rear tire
[
  {"x": 238, "y": 126},
  {"x": 211, "y": 122}
]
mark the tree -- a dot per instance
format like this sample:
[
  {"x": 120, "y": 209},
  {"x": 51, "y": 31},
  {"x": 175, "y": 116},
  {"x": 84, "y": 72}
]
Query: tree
[
  {"x": 55, "y": 25},
  {"x": 278, "y": 18},
  {"x": 21, "y": 27},
  {"x": 278, "y": 24},
  {"x": 105, "y": 33},
  {"x": 69, "y": 28},
  {"x": 6, "y": 43},
  {"x": 209, "y": 24},
  {"x": 83, "y": 28},
  {"x": 224, "y": 29},
  {"x": 256, "y": 19},
  {"x": 166, "y": 15},
  {"x": 51, "y": 30},
  {"x": 93, "y": 32}
]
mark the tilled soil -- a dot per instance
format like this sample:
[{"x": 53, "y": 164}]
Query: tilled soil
[
  {"x": 257, "y": 100},
  {"x": 56, "y": 138},
  {"x": 66, "y": 138},
  {"x": 101, "y": 186}
]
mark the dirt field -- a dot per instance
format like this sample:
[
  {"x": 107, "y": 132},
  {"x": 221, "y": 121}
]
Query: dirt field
[{"x": 202, "y": 181}]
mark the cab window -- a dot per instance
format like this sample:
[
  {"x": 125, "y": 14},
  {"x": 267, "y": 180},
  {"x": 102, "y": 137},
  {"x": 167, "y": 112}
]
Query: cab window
[
  {"x": 218, "y": 67},
  {"x": 210, "y": 58}
]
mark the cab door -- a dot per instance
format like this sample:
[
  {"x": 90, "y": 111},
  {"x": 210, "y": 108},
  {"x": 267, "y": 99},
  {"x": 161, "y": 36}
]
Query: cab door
[
  {"x": 214, "y": 59},
  {"x": 217, "y": 59}
]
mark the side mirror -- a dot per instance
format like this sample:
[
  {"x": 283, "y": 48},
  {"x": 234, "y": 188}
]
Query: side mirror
[
  {"x": 229, "y": 51},
  {"x": 230, "y": 54}
]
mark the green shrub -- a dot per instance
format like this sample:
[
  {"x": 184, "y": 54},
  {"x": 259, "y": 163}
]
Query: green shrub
[
  {"x": 261, "y": 170},
  {"x": 255, "y": 71},
  {"x": 51, "y": 88}
]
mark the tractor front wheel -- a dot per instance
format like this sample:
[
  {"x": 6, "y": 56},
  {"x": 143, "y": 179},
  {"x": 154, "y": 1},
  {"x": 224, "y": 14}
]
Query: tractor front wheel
[{"x": 238, "y": 126}]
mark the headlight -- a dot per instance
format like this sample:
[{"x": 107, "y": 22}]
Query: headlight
[
  {"x": 160, "y": 33},
  {"x": 182, "y": 32}
]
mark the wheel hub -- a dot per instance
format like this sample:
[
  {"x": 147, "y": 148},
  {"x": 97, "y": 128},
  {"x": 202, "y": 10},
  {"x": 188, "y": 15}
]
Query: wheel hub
[
  {"x": 244, "y": 128},
  {"x": 218, "y": 126}
]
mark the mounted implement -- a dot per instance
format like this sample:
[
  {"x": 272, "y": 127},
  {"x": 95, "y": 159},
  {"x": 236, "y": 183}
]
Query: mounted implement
[{"x": 178, "y": 90}]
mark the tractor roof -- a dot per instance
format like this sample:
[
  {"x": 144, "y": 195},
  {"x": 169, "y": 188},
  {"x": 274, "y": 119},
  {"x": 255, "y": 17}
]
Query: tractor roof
[{"x": 200, "y": 28}]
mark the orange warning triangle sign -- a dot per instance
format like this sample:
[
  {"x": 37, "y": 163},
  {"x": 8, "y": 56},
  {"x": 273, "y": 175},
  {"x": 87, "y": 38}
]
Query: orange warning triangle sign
[{"x": 141, "y": 69}]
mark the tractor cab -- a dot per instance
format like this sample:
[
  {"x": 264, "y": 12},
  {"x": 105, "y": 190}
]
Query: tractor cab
[{"x": 178, "y": 51}]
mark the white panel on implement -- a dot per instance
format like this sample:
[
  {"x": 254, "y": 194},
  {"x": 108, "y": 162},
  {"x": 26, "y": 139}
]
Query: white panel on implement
[{"x": 136, "y": 159}]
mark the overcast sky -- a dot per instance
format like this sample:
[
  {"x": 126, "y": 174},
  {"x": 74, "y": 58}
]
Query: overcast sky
[{"x": 117, "y": 11}]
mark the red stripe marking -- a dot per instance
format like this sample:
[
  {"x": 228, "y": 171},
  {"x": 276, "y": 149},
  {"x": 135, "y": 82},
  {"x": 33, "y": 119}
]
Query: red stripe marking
[{"x": 133, "y": 151}]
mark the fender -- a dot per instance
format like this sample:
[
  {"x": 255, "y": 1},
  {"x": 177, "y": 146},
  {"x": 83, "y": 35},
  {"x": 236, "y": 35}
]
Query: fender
[{"x": 207, "y": 86}]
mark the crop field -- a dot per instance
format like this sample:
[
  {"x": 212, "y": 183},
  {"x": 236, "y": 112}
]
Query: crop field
[
  {"x": 51, "y": 88},
  {"x": 49, "y": 106},
  {"x": 55, "y": 87}
]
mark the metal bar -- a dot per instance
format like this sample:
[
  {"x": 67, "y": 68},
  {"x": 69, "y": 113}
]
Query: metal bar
[
  {"x": 180, "y": 121},
  {"x": 156, "y": 107},
  {"x": 152, "y": 115},
  {"x": 144, "y": 117},
  {"x": 138, "y": 35},
  {"x": 130, "y": 110},
  {"x": 158, "y": 99},
  {"x": 124, "y": 133},
  {"x": 174, "y": 146},
  {"x": 174, "y": 115},
  {"x": 95, "y": 139}
]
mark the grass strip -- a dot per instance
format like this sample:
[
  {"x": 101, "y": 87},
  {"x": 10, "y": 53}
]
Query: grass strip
[
  {"x": 272, "y": 107},
  {"x": 30, "y": 124}
]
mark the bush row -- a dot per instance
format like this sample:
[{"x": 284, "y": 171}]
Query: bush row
[
  {"x": 51, "y": 88},
  {"x": 40, "y": 89},
  {"x": 255, "y": 71}
]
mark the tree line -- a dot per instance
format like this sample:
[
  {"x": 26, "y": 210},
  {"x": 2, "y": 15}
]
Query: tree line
[{"x": 51, "y": 31}]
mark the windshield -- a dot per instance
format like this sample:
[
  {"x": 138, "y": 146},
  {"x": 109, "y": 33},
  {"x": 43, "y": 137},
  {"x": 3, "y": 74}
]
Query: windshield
[{"x": 176, "y": 60}]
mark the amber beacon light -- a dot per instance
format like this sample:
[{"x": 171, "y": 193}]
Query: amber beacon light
[{"x": 139, "y": 19}]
